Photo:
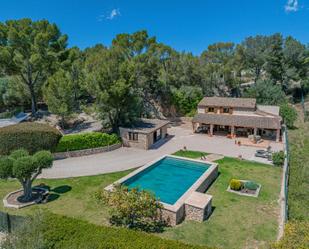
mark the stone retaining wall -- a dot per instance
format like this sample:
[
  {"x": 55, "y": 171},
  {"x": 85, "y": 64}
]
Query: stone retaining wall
[{"x": 86, "y": 152}]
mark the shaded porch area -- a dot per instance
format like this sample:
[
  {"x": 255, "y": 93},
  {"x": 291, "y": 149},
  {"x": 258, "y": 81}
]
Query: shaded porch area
[{"x": 252, "y": 133}]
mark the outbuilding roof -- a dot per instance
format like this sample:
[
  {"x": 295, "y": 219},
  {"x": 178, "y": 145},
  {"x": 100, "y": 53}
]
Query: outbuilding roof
[
  {"x": 228, "y": 102},
  {"x": 262, "y": 122},
  {"x": 146, "y": 126}
]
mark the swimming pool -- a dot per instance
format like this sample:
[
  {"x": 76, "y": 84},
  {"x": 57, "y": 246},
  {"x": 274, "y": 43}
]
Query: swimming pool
[
  {"x": 179, "y": 183},
  {"x": 169, "y": 178}
]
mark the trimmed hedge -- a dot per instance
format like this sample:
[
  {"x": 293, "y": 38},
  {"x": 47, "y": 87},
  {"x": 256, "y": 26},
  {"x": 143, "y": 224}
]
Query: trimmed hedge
[
  {"x": 64, "y": 232},
  {"x": 86, "y": 141},
  {"x": 32, "y": 137}
]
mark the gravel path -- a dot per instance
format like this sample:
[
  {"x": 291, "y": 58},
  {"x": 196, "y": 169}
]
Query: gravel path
[{"x": 128, "y": 158}]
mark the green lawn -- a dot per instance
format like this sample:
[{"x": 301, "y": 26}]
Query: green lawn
[
  {"x": 237, "y": 221},
  {"x": 298, "y": 195},
  {"x": 72, "y": 197}
]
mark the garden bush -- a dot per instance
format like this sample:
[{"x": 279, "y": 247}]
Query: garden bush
[
  {"x": 59, "y": 232},
  {"x": 132, "y": 208},
  {"x": 32, "y": 137},
  {"x": 86, "y": 141},
  {"x": 251, "y": 185},
  {"x": 236, "y": 185},
  {"x": 278, "y": 158}
]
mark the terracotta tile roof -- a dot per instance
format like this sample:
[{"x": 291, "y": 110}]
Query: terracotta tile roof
[
  {"x": 146, "y": 126},
  {"x": 228, "y": 102},
  {"x": 271, "y": 109},
  {"x": 239, "y": 120}
]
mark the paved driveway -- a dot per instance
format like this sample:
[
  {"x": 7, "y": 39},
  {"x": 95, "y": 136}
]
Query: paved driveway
[{"x": 128, "y": 158}]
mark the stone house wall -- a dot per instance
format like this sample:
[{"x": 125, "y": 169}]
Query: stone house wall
[
  {"x": 141, "y": 143},
  {"x": 144, "y": 140}
]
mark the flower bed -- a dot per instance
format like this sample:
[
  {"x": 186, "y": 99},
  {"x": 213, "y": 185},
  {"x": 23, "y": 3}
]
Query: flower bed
[
  {"x": 13, "y": 199},
  {"x": 244, "y": 187}
]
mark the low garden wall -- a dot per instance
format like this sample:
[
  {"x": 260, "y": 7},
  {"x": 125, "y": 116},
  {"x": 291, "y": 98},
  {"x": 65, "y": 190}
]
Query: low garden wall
[{"x": 86, "y": 152}]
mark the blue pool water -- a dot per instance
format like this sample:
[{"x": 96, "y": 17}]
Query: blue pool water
[{"x": 168, "y": 178}]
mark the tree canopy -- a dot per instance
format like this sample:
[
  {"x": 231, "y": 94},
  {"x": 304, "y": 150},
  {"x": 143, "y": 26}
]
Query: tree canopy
[
  {"x": 30, "y": 51},
  {"x": 137, "y": 76}
]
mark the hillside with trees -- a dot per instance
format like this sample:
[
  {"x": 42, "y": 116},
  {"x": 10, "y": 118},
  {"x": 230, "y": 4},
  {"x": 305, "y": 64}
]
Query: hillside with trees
[{"x": 139, "y": 76}]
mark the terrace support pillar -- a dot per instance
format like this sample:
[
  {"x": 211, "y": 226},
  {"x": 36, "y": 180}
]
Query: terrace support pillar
[
  {"x": 278, "y": 135},
  {"x": 193, "y": 127},
  {"x": 232, "y": 131},
  {"x": 255, "y": 131},
  {"x": 211, "y": 130}
]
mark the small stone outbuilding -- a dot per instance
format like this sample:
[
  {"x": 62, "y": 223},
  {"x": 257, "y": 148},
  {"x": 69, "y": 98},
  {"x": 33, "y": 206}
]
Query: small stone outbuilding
[{"x": 144, "y": 133}]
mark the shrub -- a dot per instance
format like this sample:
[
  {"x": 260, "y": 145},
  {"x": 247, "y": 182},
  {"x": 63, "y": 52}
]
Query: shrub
[
  {"x": 251, "y": 185},
  {"x": 236, "y": 185},
  {"x": 133, "y": 208},
  {"x": 289, "y": 114},
  {"x": 296, "y": 235},
  {"x": 32, "y": 137},
  {"x": 55, "y": 232},
  {"x": 86, "y": 141},
  {"x": 278, "y": 158},
  {"x": 26, "y": 234}
]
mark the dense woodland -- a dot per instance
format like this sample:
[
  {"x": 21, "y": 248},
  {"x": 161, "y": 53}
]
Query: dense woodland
[{"x": 139, "y": 76}]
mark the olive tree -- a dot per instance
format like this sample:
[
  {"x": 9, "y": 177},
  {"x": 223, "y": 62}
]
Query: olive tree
[{"x": 25, "y": 168}]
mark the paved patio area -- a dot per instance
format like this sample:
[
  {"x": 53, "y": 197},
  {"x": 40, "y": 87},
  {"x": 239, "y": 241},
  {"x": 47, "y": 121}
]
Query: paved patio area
[{"x": 128, "y": 158}]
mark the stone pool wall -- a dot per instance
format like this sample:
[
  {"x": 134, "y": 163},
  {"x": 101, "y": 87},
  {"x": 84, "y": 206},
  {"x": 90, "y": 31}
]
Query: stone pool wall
[
  {"x": 173, "y": 217},
  {"x": 208, "y": 181},
  {"x": 199, "y": 209},
  {"x": 194, "y": 204}
]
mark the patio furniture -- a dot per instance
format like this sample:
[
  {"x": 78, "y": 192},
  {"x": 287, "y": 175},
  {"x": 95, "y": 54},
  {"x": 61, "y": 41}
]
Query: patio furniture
[{"x": 263, "y": 154}]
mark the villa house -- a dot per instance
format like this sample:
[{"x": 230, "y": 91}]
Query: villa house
[{"x": 237, "y": 117}]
